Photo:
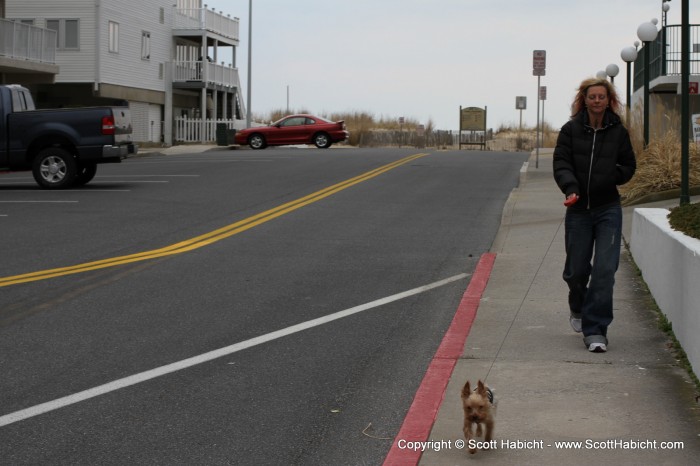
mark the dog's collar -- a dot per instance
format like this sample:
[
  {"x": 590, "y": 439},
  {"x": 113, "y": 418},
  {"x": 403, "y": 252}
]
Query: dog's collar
[{"x": 489, "y": 394}]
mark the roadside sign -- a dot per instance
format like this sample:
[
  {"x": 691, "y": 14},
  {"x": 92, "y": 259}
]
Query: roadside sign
[
  {"x": 521, "y": 103},
  {"x": 539, "y": 62},
  {"x": 543, "y": 92},
  {"x": 693, "y": 88},
  {"x": 472, "y": 119}
]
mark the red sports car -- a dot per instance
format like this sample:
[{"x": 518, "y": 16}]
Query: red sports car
[{"x": 294, "y": 129}]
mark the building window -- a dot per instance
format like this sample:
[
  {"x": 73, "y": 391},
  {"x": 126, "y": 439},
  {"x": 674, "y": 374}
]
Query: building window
[
  {"x": 145, "y": 45},
  {"x": 67, "y": 37},
  {"x": 113, "y": 37}
]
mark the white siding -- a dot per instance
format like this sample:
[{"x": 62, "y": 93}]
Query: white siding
[
  {"x": 146, "y": 121},
  {"x": 154, "y": 122},
  {"x": 139, "y": 121},
  {"x": 127, "y": 68},
  {"x": 75, "y": 65}
]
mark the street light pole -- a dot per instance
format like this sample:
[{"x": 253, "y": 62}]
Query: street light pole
[
  {"x": 250, "y": 61},
  {"x": 685, "y": 104},
  {"x": 647, "y": 32},
  {"x": 629, "y": 54}
]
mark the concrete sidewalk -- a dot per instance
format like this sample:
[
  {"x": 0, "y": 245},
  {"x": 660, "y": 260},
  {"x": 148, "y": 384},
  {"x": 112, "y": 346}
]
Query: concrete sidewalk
[{"x": 549, "y": 387}]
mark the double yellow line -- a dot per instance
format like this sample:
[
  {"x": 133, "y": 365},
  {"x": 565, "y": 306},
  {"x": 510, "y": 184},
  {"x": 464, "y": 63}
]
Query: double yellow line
[{"x": 208, "y": 238}]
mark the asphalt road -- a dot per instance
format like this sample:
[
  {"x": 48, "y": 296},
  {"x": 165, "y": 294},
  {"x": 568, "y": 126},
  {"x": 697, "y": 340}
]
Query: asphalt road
[{"x": 290, "y": 262}]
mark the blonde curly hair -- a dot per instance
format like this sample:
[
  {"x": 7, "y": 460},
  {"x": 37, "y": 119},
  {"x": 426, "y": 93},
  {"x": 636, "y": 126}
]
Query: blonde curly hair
[{"x": 579, "y": 103}]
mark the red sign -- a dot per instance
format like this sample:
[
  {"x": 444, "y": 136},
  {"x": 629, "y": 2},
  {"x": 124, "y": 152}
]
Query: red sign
[
  {"x": 539, "y": 62},
  {"x": 539, "y": 59},
  {"x": 693, "y": 88}
]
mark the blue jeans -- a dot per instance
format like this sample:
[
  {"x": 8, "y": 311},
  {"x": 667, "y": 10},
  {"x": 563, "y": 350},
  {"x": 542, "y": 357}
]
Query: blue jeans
[{"x": 592, "y": 234}]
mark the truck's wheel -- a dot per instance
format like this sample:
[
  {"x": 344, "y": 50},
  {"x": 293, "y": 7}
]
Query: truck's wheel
[
  {"x": 86, "y": 172},
  {"x": 54, "y": 168}
]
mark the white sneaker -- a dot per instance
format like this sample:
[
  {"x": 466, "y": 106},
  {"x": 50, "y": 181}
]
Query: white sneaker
[
  {"x": 596, "y": 343},
  {"x": 575, "y": 323},
  {"x": 597, "y": 348}
]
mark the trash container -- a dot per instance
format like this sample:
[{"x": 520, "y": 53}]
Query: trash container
[
  {"x": 221, "y": 134},
  {"x": 231, "y": 133}
]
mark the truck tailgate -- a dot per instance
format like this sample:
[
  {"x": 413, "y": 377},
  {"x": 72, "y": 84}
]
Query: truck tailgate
[{"x": 122, "y": 124}]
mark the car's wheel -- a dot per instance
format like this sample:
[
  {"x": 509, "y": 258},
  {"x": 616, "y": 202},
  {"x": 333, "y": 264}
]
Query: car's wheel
[
  {"x": 54, "y": 168},
  {"x": 86, "y": 172},
  {"x": 322, "y": 140},
  {"x": 257, "y": 141}
]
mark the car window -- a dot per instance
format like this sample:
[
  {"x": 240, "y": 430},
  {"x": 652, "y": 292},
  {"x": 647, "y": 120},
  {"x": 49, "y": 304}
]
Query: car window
[
  {"x": 296, "y": 121},
  {"x": 310, "y": 121}
]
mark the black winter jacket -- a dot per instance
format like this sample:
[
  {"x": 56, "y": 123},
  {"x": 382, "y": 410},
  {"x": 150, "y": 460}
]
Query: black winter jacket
[{"x": 592, "y": 163}]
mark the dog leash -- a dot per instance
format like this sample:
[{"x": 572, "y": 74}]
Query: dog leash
[{"x": 520, "y": 306}]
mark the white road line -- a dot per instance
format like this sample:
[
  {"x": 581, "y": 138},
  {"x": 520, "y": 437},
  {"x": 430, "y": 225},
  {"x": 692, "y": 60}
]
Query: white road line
[
  {"x": 38, "y": 202},
  {"x": 146, "y": 176},
  {"x": 88, "y": 190},
  {"x": 129, "y": 181},
  {"x": 193, "y": 361}
]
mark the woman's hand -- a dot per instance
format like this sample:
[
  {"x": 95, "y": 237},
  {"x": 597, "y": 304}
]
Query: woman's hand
[{"x": 571, "y": 199}]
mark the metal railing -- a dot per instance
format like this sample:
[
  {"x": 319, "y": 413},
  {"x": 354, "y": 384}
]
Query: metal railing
[
  {"x": 26, "y": 42},
  {"x": 668, "y": 64},
  {"x": 193, "y": 71},
  {"x": 204, "y": 19}
]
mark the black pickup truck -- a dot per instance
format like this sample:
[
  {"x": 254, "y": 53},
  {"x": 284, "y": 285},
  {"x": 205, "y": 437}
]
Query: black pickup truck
[{"x": 61, "y": 147}]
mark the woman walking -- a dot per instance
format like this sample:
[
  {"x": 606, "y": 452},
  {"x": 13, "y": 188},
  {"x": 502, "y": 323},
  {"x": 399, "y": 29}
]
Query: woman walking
[{"x": 592, "y": 157}]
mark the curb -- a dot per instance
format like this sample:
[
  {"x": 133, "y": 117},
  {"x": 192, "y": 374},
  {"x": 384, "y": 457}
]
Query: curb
[{"x": 421, "y": 415}]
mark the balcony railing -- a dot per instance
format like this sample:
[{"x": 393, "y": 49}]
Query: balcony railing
[
  {"x": 194, "y": 71},
  {"x": 25, "y": 42},
  {"x": 668, "y": 64},
  {"x": 204, "y": 19}
]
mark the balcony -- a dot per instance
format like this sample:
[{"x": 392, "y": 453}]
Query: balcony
[
  {"x": 668, "y": 64},
  {"x": 204, "y": 74},
  {"x": 192, "y": 21},
  {"x": 27, "y": 49}
]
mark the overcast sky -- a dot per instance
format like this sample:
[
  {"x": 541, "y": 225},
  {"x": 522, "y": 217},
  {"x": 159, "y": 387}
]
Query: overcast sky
[{"x": 424, "y": 59}]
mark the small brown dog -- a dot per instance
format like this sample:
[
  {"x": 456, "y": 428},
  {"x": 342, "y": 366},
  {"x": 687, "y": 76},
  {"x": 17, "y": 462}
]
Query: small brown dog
[{"x": 479, "y": 408}]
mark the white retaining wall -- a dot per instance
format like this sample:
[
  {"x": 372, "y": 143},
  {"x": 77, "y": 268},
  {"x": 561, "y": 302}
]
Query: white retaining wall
[{"x": 670, "y": 265}]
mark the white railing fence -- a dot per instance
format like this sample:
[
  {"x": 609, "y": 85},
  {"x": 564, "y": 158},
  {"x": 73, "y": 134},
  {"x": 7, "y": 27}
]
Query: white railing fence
[
  {"x": 26, "y": 42},
  {"x": 202, "y": 18},
  {"x": 192, "y": 70},
  {"x": 190, "y": 129}
]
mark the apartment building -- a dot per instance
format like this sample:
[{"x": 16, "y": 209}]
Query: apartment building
[{"x": 167, "y": 60}]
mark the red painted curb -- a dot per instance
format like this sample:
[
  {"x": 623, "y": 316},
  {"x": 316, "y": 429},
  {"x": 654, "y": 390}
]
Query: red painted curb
[{"x": 421, "y": 415}]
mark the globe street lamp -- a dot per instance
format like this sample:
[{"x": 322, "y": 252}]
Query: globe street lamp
[
  {"x": 629, "y": 54},
  {"x": 664, "y": 14},
  {"x": 612, "y": 70},
  {"x": 647, "y": 32}
]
